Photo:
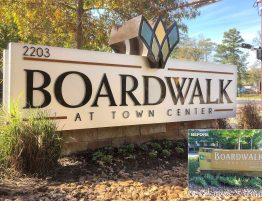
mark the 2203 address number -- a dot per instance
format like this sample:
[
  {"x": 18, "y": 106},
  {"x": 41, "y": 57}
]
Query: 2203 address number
[{"x": 36, "y": 52}]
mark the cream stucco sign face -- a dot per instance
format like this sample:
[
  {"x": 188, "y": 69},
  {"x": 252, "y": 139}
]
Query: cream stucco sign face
[
  {"x": 237, "y": 160},
  {"x": 88, "y": 89}
]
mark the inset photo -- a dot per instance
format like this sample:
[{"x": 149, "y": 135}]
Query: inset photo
[{"x": 225, "y": 163}]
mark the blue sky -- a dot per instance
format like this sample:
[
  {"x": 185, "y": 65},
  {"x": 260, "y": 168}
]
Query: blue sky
[{"x": 217, "y": 18}]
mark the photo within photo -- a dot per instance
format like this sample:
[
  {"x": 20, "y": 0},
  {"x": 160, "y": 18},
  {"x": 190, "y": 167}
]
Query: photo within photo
[{"x": 225, "y": 162}]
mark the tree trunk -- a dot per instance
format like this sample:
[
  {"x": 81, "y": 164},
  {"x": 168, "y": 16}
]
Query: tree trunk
[
  {"x": 79, "y": 24},
  {"x": 239, "y": 143}
]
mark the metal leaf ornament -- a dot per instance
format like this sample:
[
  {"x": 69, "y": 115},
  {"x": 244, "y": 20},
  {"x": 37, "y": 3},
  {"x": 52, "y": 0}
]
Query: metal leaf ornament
[
  {"x": 159, "y": 41},
  {"x": 139, "y": 37}
]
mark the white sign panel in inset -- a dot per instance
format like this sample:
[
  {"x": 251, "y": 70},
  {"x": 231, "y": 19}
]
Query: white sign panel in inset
[{"x": 88, "y": 89}]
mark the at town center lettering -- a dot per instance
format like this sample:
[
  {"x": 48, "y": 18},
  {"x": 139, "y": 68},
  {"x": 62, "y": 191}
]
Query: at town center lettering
[{"x": 177, "y": 88}]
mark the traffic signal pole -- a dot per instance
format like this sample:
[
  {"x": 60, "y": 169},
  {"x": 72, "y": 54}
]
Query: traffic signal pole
[{"x": 259, "y": 57}]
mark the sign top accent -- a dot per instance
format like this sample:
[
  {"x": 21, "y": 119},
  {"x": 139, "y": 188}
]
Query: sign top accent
[{"x": 138, "y": 36}]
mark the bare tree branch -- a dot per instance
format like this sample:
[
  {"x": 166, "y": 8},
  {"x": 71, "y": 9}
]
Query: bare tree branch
[
  {"x": 198, "y": 3},
  {"x": 193, "y": 3}
]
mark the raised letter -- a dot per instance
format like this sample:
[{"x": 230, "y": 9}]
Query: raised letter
[
  {"x": 30, "y": 88},
  {"x": 91, "y": 115},
  {"x": 146, "y": 90},
  {"x": 216, "y": 156},
  {"x": 222, "y": 91},
  {"x": 151, "y": 113},
  {"x": 58, "y": 89},
  {"x": 139, "y": 114},
  {"x": 108, "y": 94},
  {"x": 113, "y": 114},
  {"x": 179, "y": 88},
  {"x": 168, "y": 112},
  {"x": 198, "y": 94},
  {"x": 130, "y": 91},
  {"x": 78, "y": 117},
  {"x": 126, "y": 114},
  {"x": 209, "y": 93}
]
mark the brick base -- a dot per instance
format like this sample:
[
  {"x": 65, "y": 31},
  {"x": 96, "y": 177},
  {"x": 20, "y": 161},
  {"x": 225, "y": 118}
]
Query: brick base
[{"x": 80, "y": 140}]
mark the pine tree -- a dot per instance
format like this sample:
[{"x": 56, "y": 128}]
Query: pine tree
[
  {"x": 228, "y": 52},
  {"x": 194, "y": 49}
]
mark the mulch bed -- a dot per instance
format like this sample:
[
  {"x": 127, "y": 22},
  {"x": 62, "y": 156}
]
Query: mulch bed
[{"x": 127, "y": 177}]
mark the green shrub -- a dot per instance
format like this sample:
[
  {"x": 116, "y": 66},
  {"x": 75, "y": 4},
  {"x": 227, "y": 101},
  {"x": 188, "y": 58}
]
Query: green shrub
[
  {"x": 30, "y": 145},
  {"x": 210, "y": 179},
  {"x": 230, "y": 180},
  {"x": 245, "y": 181},
  {"x": 193, "y": 166},
  {"x": 156, "y": 146},
  {"x": 166, "y": 153},
  {"x": 143, "y": 147},
  {"x": 127, "y": 150},
  {"x": 107, "y": 158},
  {"x": 179, "y": 150},
  {"x": 222, "y": 180},
  {"x": 130, "y": 148},
  {"x": 97, "y": 155},
  {"x": 255, "y": 183},
  {"x": 153, "y": 154},
  {"x": 167, "y": 144},
  {"x": 100, "y": 156},
  {"x": 199, "y": 181},
  {"x": 180, "y": 143}
]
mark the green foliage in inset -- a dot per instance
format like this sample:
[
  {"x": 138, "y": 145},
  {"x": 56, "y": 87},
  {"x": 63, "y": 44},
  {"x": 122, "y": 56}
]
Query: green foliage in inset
[
  {"x": 199, "y": 181},
  {"x": 193, "y": 166},
  {"x": 30, "y": 145},
  {"x": 230, "y": 138},
  {"x": 210, "y": 179},
  {"x": 255, "y": 183},
  {"x": 237, "y": 181},
  {"x": 230, "y": 180}
]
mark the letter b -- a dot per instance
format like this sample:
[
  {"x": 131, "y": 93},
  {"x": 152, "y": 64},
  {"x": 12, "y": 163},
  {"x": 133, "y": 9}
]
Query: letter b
[{"x": 30, "y": 88}]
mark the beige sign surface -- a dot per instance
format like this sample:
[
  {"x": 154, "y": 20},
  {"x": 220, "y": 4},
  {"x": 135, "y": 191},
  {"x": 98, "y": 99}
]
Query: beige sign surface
[
  {"x": 238, "y": 160},
  {"x": 88, "y": 89}
]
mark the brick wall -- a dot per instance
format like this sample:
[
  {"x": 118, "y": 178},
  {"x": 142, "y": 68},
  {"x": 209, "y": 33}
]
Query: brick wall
[{"x": 80, "y": 140}]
